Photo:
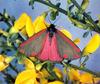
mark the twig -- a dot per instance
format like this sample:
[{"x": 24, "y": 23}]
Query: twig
[
  {"x": 8, "y": 76},
  {"x": 96, "y": 27},
  {"x": 53, "y": 6},
  {"x": 12, "y": 67},
  {"x": 5, "y": 20},
  {"x": 82, "y": 68},
  {"x": 89, "y": 18}
]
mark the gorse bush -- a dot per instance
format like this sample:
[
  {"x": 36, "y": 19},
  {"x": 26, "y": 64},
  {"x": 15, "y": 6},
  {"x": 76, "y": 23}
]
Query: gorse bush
[{"x": 37, "y": 46}]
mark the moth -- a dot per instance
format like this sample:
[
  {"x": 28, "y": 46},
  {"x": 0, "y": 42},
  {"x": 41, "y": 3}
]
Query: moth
[{"x": 50, "y": 44}]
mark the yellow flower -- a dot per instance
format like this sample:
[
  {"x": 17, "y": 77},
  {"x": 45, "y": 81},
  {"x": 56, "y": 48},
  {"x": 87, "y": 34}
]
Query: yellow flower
[
  {"x": 56, "y": 82},
  {"x": 29, "y": 64},
  {"x": 19, "y": 24},
  {"x": 29, "y": 75},
  {"x": 4, "y": 61},
  {"x": 26, "y": 77},
  {"x": 43, "y": 81},
  {"x": 45, "y": 73},
  {"x": 76, "y": 41},
  {"x": 86, "y": 78},
  {"x": 39, "y": 66},
  {"x": 34, "y": 59},
  {"x": 25, "y": 26},
  {"x": 29, "y": 27},
  {"x": 39, "y": 23},
  {"x": 58, "y": 72},
  {"x": 96, "y": 80},
  {"x": 66, "y": 33},
  {"x": 83, "y": 77},
  {"x": 73, "y": 74},
  {"x": 92, "y": 46}
]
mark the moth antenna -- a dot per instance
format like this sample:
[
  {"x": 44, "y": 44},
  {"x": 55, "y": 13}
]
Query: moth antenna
[{"x": 49, "y": 20}]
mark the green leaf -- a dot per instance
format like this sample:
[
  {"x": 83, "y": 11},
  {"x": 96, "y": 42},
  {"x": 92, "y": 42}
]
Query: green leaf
[
  {"x": 5, "y": 14},
  {"x": 78, "y": 23},
  {"x": 85, "y": 60},
  {"x": 71, "y": 7},
  {"x": 69, "y": 1},
  {"x": 49, "y": 66},
  {"x": 31, "y": 3},
  {"x": 84, "y": 4},
  {"x": 85, "y": 34},
  {"x": 58, "y": 4},
  {"x": 53, "y": 15},
  {"x": 12, "y": 18},
  {"x": 14, "y": 37}
]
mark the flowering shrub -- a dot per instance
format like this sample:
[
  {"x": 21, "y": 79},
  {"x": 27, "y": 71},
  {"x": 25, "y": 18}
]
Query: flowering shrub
[{"x": 34, "y": 70}]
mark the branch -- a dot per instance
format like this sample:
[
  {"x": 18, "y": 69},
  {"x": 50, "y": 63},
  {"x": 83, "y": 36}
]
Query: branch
[
  {"x": 3, "y": 18},
  {"x": 12, "y": 67},
  {"x": 96, "y": 27},
  {"x": 82, "y": 68},
  {"x": 53, "y": 6},
  {"x": 89, "y": 18},
  {"x": 8, "y": 76}
]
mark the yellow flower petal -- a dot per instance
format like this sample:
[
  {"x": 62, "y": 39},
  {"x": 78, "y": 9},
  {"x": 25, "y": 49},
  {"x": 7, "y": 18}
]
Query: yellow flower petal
[
  {"x": 76, "y": 41},
  {"x": 58, "y": 72},
  {"x": 96, "y": 80},
  {"x": 26, "y": 77},
  {"x": 29, "y": 64},
  {"x": 39, "y": 23},
  {"x": 34, "y": 59},
  {"x": 9, "y": 59},
  {"x": 74, "y": 74},
  {"x": 92, "y": 46},
  {"x": 66, "y": 33},
  {"x": 23, "y": 32},
  {"x": 45, "y": 73},
  {"x": 43, "y": 81},
  {"x": 19, "y": 24},
  {"x": 56, "y": 82},
  {"x": 4, "y": 61},
  {"x": 29, "y": 27},
  {"x": 39, "y": 66},
  {"x": 3, "y": 65},
  {"x": 13, "y": 30},
  {"x": 86, "y": 78}
]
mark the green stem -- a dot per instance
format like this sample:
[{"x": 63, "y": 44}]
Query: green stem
[
  {"x": 12, "y": 67},
  {"x": 89, "y": 18},
  {"x": 53, "y": 6},
  {"x": 96, "y": 27},
  {"x": 8, "y": 76},
  {"x": 82, "y": 68},
  {"x": 5, "y": 20}
]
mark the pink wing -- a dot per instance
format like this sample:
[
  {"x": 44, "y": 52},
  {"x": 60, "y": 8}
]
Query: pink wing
[
  {"x": 34, "y": 44},
  {"x": 67, "y": 49}
]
